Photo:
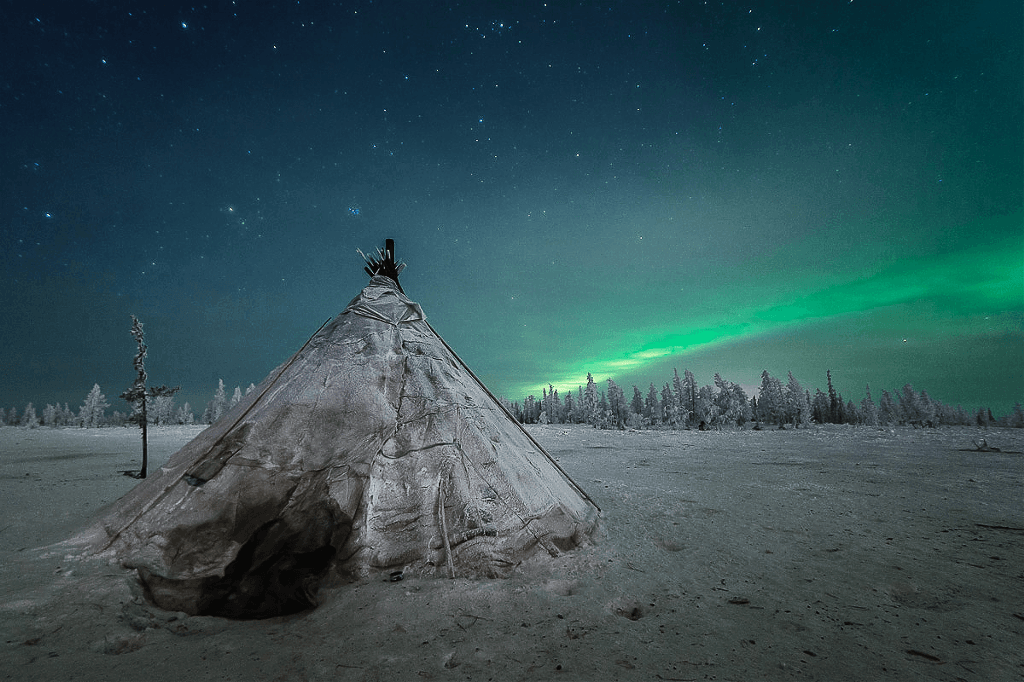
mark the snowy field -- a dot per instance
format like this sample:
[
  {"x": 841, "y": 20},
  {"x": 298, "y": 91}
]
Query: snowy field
[{"x": 833, "y": 553}]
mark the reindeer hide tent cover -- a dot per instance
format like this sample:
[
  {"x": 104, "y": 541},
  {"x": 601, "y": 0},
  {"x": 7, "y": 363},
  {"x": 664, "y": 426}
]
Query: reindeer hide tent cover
[{"x": 374, "y": 448}]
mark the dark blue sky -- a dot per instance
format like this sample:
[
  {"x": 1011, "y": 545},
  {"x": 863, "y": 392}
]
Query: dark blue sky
[{"x": 616, "y": 187}]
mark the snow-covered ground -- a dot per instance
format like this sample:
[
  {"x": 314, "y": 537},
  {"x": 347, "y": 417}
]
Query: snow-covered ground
[{"x": 832, "y": 553}]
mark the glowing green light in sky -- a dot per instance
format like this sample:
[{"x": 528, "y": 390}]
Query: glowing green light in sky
[{"x": 950, "y": 291}]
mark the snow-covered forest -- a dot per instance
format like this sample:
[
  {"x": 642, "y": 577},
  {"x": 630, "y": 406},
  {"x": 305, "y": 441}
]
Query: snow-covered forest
[
  {"x": 679, "y": 404},
  {"x": 93, "y": 411}
]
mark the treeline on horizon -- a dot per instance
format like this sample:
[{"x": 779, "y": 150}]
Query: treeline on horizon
[
  {"x": 681, "y": 404},
  {"x": 161, "y": 411}
]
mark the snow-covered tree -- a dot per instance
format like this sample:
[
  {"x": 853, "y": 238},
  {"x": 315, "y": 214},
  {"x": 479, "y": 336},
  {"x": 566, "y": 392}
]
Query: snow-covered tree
[
  {"x": 554, "y": 406},
  {"x": 722, "y": 398},
  {"x": 618, "y": 408},
  {"x": 530, "y": 411},
  {"x": 1016, "y": 420},
  {"x": 50, "y": 415},
  {"x": 636, "y": 405},
  {"x": 945, "y": 414},
  {"x": 29, "y": 419},
  {"x": 737, "y": 410},
  {"x": 570, "y": 408},
  {"x": 220, "y": 401},
  {"x": 215, "y": 408},
  {"x": 888, "y": 411},
  {"x": 928, "y": 409},
  {"x": 163, "y": 410},
  {"x": 868, "y": 411},
  {"x": 184, "y": 415},
  {"x": 742, "y": 404},
  {"x": 771, "y": 404},
  {"x": 850, "y": 413},
  {"x": 590, "y": 411},
  {"x": 686, "y": 396},
  {"x": 731, "y": 402},
  {"x": 681, "y": 405},
  {"x": 92, "y": 413},
  {"x": 236, "y": 397},
  {"x": 797, "y": 409},
  {"x": 138, "y": 394},
  {"x": 707, "y": 411},
  {"x": 910, "y": 406},
  {"x": 669, "y": 407},
  {"x": 820, "y": 407},
  {"x": 63, "y": 415},
  {"x": 545, "y": 407},
  {"x": 652, "y": 406},
  {"x": 954, "y": 416},
  {"x": 835, "y": 402}
]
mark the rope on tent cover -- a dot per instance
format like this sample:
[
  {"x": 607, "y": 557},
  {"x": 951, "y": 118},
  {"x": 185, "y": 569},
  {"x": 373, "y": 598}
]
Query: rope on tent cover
[{"x": 444, "y": 526}]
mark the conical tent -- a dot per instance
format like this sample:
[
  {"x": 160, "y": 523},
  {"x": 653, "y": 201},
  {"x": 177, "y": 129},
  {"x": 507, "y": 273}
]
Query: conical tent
[{"x": 373, "y": 449}]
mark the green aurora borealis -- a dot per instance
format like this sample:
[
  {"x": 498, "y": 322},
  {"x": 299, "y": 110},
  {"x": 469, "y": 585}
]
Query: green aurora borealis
[{"x": 903, "y": 321}]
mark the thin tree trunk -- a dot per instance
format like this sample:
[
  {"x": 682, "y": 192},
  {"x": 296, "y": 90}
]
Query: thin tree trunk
[{"x": 145, "y": 449}]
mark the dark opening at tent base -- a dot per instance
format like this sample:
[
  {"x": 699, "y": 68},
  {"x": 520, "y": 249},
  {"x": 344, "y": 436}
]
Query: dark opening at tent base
[{"x": 255, "y": 584}]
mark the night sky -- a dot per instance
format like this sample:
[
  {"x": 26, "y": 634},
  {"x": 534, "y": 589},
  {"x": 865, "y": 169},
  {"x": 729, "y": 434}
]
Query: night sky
[{"x": 623, "y": 187}]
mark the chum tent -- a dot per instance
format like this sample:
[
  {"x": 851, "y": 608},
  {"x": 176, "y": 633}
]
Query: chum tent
[{"x": 373, "y": 450}]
